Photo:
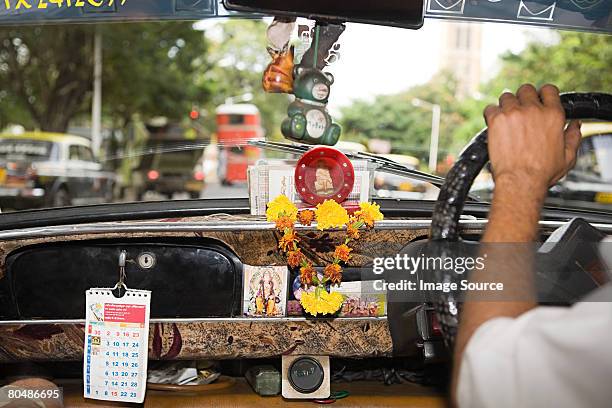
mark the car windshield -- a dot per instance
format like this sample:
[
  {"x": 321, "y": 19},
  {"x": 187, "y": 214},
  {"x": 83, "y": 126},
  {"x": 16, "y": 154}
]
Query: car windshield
[{"x": 170, "y": 110}]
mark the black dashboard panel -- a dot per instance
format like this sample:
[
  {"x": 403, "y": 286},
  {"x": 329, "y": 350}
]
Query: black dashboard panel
[{"x": 186, "y": 280}]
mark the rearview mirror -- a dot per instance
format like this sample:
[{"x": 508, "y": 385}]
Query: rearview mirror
[{"x": 399, "y": 13}]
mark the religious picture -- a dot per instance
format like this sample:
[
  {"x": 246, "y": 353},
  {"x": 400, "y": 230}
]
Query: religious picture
[
  {"x": 265, "y": 291},
  {"x": 324, "y": 185}
]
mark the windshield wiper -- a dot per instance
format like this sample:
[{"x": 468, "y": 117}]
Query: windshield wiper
[{"x": 383, "y": 163}]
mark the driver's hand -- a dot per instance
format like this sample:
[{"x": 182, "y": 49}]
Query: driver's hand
[{"x": 527, "y": 141}]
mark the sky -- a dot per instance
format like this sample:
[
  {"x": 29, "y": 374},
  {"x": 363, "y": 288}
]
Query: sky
[
  {"x": 396, "y": 59},
  {"x": 379, "y": 60}
]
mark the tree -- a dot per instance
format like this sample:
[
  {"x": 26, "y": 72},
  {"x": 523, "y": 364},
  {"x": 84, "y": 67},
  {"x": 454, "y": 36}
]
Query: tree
[
  {"x": 149, "y": 68},
  {"x": 46, "y": 72},
  {"x": 153, "y": 69},
  {"x": 577, "y": 62},
  {"x": 395, "y": 118}
]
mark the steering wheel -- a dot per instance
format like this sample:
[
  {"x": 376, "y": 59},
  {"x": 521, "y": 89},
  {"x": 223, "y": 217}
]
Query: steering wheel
[{"x": 454, "y": 192}]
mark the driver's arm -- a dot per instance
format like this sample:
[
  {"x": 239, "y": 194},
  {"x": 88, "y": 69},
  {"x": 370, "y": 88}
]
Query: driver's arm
[{"x": 529, "y": 151}]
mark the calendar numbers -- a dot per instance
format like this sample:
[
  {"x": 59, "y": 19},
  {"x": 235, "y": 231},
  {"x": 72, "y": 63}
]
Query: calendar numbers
[{"x": 116, "y": 346}]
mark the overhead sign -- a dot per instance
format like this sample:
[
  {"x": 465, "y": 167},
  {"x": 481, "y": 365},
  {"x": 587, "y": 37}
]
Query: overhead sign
[
  {"x": 587, "y": 15},
  {"x": 76, "y": 11}
]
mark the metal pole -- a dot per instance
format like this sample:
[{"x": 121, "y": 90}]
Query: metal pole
[
  {"x": 96, "y": 105},
  {"x": 435, "y": 137}
]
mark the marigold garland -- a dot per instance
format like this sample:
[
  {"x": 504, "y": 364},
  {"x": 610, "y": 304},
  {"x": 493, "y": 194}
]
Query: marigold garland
[{"x": 327, "y": 215}]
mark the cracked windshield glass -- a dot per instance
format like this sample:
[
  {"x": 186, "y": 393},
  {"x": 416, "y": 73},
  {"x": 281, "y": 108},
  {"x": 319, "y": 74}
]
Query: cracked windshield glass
[{"x": 124, "y": 112}]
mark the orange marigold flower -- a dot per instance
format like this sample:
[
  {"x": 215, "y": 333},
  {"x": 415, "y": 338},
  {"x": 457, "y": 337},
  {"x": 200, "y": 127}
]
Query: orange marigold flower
[
  {"x": 352, "y": 231},
  {"x": 284, "y": 222},
  {"x": 343, "y": 252},
  {"x": 306, "y": 217},
  {"x": 334, "y": 273},
  {"x": 288, "y": 240},
  {"x": 307, "y": 273},
  {"x": 294, "y": 258}
]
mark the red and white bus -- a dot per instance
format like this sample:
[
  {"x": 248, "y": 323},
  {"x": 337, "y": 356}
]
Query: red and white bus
[{"x": 236, "y": 125}]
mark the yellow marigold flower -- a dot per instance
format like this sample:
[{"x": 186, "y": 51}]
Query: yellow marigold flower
[
  {"x": 306, "y": 217},
  {"x": 343, "y": 252},
  {"x": 321, "y": 302},
  {"x": 281, "y": 206},
  {"x": 330, "y": 214},
  {"x": 307, "y": 273},
  {"x": 283, "y": 223},
  {"x": 334, "y": 273},
  {"x": 294, "y": 258},
  {"x": 288, "y": 240},
  {"x": 369, "y": 213},
  {"x": 309, "y": 303}
]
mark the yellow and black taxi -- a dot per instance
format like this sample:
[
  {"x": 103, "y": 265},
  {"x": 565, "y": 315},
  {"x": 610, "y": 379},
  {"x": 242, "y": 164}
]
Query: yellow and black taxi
[
  {"x": 39, "y": 169},
  {"x": 590, "y": 182}
]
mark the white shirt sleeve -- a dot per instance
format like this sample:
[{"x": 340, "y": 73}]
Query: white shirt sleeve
[{"x": 547, "y": 357}]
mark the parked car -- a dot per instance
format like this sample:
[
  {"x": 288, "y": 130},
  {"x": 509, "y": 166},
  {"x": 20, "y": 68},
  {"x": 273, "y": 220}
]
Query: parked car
[{"x": 39, "y": 169}]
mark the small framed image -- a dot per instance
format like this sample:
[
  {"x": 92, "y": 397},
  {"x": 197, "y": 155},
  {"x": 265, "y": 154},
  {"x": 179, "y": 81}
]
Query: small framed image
[
  {"x": 361, "y": 300},
  {"x": 264, "y": 291}
]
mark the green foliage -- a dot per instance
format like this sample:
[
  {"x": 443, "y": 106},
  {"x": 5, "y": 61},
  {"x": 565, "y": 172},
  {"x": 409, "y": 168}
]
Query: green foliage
[
  {"x": 46, "y": 72},
  {"x": 153, "y": 69},
  {"x": 395, "y": 118},
  {"x": 578, "y": 62}
]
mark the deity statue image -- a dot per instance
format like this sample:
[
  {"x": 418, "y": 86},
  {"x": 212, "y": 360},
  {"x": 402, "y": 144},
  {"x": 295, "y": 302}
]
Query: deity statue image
[
  {"x": 324, "y": 185},
  {"x": 266, "y": 298}
]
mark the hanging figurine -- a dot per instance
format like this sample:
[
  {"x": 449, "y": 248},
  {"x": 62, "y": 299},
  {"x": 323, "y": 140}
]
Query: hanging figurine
[
  {"x": 278, "y": 76},
  {"x": 309, "y": 121}
]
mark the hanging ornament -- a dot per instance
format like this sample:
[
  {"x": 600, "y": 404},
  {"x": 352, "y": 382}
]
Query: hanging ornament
[
  {"x": 278, "y": 76},
  {"x": 309, "y": 121}
]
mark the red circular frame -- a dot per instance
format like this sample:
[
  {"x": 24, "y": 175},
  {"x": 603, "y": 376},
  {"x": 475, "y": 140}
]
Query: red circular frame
[{"x": 340, "y": 169}]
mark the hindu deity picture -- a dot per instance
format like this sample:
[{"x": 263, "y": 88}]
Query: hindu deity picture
[{"x": 265, "y": 291}]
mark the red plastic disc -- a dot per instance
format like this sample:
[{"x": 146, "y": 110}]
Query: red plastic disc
[{"x": 323, "y": 174}]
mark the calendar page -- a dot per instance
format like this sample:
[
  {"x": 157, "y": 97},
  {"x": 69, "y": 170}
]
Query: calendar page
[{"x": 116, "y": 345}]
